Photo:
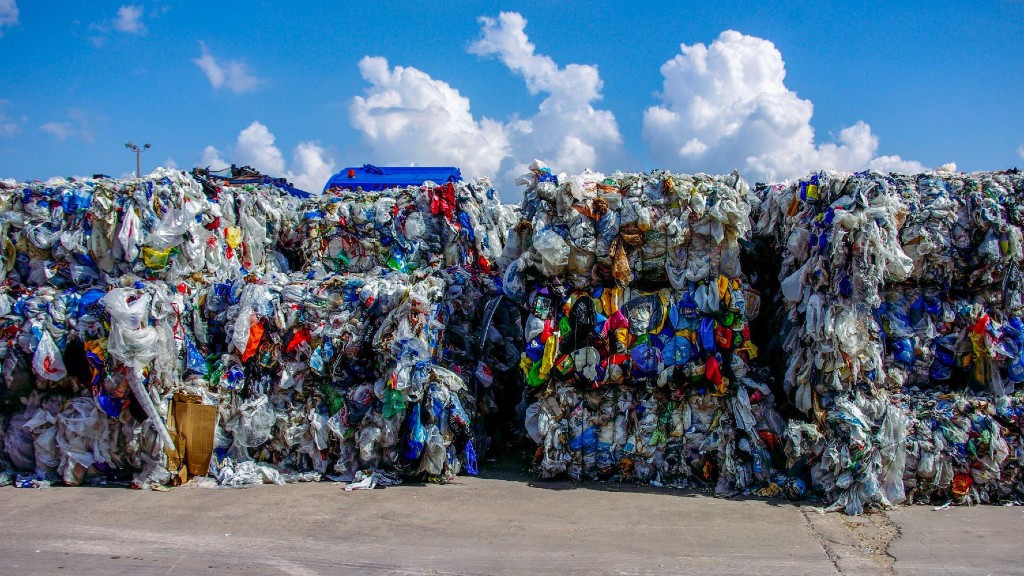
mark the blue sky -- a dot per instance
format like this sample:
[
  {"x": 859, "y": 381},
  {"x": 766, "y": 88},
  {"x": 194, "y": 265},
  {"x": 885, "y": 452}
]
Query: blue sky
[{"x": 304, "y": 88}]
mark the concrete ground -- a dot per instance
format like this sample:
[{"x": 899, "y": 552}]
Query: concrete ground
[{"x": 501, "y": 523}]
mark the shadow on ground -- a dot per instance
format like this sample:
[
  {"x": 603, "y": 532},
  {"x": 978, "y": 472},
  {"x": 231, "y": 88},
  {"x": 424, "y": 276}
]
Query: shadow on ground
[{"x": 514, "y": 466}]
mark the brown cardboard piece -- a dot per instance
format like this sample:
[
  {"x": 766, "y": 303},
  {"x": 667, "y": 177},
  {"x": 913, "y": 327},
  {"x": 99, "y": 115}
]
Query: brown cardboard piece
[{"x": 192, "y": 425}]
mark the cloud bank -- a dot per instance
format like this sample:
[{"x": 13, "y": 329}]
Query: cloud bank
[
  {"x": 726, "y": 106},
  {"x": 408, "y": 117},
  {"x": 721, "y": 107}
]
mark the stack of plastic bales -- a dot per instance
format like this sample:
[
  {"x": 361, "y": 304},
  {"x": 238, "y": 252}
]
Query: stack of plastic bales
[
  {"x": 101, "y": 281},
  {"x": 183, "y": 287},
  {"x": 452, "y": 234},
  {"x": 637, "y": 342},
  {"x": 899, "y": 290}
]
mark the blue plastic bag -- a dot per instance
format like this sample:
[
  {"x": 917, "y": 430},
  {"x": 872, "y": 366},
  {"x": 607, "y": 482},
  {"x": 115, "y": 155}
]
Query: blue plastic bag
[
  {"x": 194, "y": 361},
  {"x": 417, "y": 435}
]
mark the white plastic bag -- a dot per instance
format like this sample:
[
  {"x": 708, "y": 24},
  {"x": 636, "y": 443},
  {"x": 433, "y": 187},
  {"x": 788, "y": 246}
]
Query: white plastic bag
[
  {"x": 130, "y": 235},
  {"x": 553, "y": 252},
  {"x": 47, "y": 362}
]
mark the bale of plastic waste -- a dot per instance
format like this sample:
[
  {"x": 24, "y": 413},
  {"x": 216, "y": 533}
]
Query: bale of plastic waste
[
  {"x": 351, "y": 372},
  {"x": 895, "y": 289},
  {"x": 458, "y": 224},
  {"x": 637, "y": 344},
  {"x": 345, "y": 373},
  {"x": 121, "y": 294},
  {"x": 166, "y": 225}
]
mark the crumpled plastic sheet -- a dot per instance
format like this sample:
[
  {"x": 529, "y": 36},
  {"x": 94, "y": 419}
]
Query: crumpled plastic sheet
[
  {"x": 897, "y": 291},
  {"x": 637, "y": 342},
  {"x": 457, "y": 224}
]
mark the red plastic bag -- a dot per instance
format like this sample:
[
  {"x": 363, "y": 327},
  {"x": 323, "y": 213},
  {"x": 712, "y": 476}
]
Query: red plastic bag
[{"x": 255, "y": 335}]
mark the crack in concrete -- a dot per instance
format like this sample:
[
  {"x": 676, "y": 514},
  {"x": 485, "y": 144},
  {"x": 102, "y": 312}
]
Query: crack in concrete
[
  {"x": 896, "y": 534},
  {"x": 822, "y": 541},
  {"x": 854, "y": 544},
  {"x": 877, "y": 544}
]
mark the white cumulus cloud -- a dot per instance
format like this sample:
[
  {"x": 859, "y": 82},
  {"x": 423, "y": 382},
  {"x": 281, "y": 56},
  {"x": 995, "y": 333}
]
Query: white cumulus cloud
[
  {"x": 211, "y": 159},
  {"x": 567, "y": 131},
  {"x": 78, "y": 125},
  {"x": 256, "y": 146},
  {"x": 9, "y": 126},
  {"x": 311, "y": 167},
  {"x": 407, "y": 117},
  {"x": 8, "y": 15},
  {"x": 231, "y": 74},
  {"x": 129, "y": 20},
  {"x": 1020, "y": 151},
  {"x": 726, "y": 106}
]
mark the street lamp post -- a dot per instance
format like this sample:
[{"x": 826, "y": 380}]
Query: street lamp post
[{"x": 138, "y": 157}]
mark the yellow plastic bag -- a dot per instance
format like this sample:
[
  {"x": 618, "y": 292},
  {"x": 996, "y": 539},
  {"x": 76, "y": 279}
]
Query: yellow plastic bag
[
  {"x": 233, "y": 235},
  {"x": 157, "y": 259},
  {"x": 547, "y": 361}
]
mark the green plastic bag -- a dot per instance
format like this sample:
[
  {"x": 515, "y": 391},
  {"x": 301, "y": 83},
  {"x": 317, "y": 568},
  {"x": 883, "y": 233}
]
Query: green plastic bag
[{"x": 394, "y": 403}]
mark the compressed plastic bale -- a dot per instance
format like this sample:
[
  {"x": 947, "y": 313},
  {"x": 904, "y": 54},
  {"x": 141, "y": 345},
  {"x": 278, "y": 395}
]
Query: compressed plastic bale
[
  {"x": 135, "y": 225},
  {"x": 638, "y": 338},
  {"x": 406, "y": 229},
  {"x": 895, "y": 313}
]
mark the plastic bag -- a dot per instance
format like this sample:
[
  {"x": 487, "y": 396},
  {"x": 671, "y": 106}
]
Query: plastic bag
[
  {"x": 47, "y": 362},
  {"x": 417, "y": 435},
  {"x": 552, "y": 251},
  {"x": 130, "y": 235}
]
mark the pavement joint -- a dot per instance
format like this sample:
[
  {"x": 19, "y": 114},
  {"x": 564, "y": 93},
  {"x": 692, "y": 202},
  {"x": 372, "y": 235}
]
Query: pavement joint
[
  {"x": 822, "y": 541},
  {"x": 892, "y": 532}
]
